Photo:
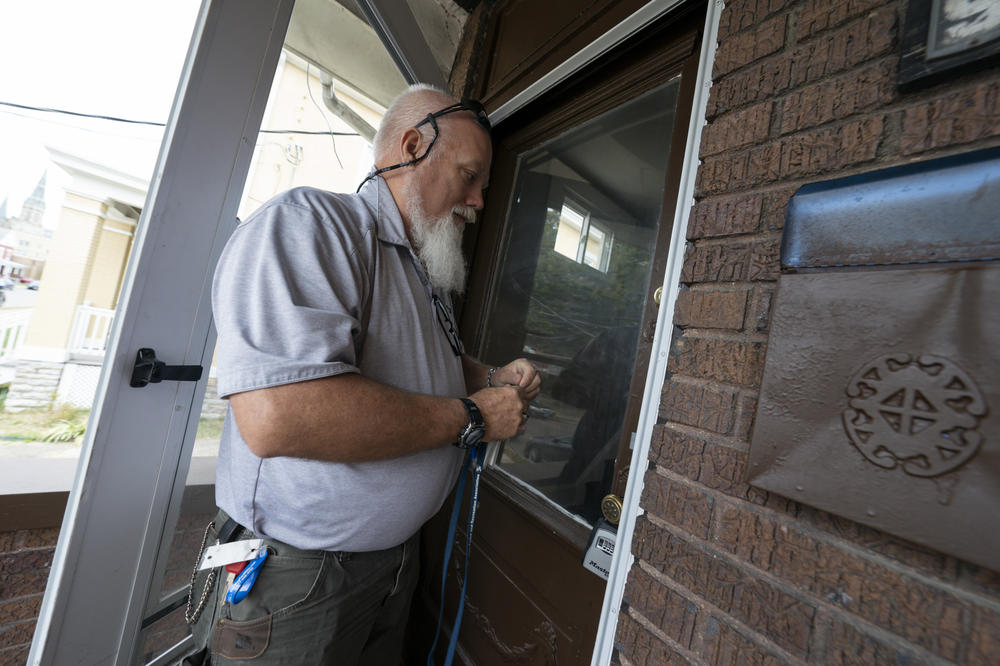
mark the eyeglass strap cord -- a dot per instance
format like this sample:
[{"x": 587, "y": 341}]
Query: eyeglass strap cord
[
  {"x": 475, "y": 460},
  {"x": 408, "y": 163},
  {"x": 470, "y": 105}
]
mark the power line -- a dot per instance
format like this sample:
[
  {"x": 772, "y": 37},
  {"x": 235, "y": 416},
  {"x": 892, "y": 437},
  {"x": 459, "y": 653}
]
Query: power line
[{"x": 154, "y": 124}]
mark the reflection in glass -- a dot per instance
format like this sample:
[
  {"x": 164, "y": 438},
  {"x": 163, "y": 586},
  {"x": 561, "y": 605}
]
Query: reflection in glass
[{"x": 576, "y": 266}]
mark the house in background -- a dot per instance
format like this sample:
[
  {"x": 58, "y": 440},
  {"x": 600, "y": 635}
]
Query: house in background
[{"x": 58, "y": 358}]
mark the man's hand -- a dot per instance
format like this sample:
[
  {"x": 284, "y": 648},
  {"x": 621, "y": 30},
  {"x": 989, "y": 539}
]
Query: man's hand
[
  {"x": 504, "y": 411},
  {"x": 522, "y": 374}
]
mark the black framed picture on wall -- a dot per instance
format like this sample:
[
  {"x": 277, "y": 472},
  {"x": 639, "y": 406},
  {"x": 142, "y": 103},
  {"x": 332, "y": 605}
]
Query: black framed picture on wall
[{"x": 944, "y": 36}]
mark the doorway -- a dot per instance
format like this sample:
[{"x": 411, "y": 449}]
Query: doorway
[{"x": 572, "y": 245}]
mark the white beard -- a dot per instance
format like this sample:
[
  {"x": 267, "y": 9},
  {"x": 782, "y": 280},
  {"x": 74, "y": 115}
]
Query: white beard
[{"x": 438, "y": 244}]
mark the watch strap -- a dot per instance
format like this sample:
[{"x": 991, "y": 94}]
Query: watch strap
[{"x": 467, "y": 437}]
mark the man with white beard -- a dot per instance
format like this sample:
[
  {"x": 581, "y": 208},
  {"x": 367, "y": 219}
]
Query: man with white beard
[{"x": 350, "y": 396}]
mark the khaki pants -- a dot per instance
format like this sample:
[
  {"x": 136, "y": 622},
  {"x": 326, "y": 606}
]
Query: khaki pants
[{"x": 311, "y": 607}]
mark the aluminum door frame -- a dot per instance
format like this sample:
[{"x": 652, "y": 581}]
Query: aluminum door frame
[
  {"x": 136, "y": 452},
  {"x": 622, "y": 560}
]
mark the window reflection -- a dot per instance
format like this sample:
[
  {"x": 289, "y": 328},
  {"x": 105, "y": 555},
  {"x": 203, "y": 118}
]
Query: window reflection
[{"x": 576, "y": 265}]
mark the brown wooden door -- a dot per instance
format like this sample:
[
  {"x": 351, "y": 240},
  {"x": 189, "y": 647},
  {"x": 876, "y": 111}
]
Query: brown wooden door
[{"x": 567, "y": 257}]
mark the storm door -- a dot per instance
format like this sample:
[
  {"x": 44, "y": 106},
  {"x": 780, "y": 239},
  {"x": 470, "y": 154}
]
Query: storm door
[{"x": 570, "y": 252}]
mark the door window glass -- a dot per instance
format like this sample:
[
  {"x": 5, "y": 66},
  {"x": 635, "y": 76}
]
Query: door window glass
[{"x": 579, "y": 247}]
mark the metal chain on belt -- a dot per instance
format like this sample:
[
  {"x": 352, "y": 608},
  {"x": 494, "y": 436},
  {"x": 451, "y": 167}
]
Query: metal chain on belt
[{"x": 189, "y": 616}]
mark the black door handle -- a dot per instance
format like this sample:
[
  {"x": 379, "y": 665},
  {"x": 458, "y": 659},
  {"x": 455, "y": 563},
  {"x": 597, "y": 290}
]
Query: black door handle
[{"x": 148, "y": 370}]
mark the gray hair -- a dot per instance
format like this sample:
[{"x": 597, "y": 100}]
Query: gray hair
[{"x": 408, "y": 109}]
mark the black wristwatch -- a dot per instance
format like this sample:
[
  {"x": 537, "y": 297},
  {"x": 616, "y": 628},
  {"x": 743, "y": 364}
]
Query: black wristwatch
[{"x": 474, "y": 430}]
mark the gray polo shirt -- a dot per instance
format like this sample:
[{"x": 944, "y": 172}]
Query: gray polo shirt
[{"x": 312, "y": 285}]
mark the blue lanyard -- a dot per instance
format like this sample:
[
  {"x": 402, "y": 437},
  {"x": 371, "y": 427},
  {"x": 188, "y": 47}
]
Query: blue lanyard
[{"x": 475, "y": 459}]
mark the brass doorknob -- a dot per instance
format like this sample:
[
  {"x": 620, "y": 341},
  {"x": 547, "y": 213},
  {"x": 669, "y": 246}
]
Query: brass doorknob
[
  {"x": 611, "y": 507},
  {"x": 658, "y": 295}
]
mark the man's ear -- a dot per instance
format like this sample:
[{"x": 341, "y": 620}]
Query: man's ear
[{"x": 411, "y": 144}]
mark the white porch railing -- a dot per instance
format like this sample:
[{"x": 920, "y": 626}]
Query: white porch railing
[
  {"x": 13, "y": 326},
  {"x": 91, "y": 327}
]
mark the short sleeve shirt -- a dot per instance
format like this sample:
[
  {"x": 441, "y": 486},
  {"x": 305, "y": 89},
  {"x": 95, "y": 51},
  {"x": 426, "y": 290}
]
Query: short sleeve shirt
[{"x": 312, "y": 285}]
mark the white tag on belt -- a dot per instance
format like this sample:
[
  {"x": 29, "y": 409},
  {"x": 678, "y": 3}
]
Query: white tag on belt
[{"x": 222, "y": 554}]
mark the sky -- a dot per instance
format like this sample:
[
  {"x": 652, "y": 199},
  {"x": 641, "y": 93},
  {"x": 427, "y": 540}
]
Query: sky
[{"x": 107, "y": 57}]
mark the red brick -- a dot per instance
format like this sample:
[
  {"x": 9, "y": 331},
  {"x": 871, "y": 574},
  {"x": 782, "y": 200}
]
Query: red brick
[
  {"x": 775, "y": 209},
  {"x": 765, "y": 262},
  {"x": 763, "y": 165},
  {"x": 716, "y": 263},
  {"x": 984, "y": 638},
  {"x": 829, "y": 54},
  {"x": 737, "y": 129},
  {"x": 738, "y": 214},
  {"x": 759, "y": 313},
  {"x": 713, "y": 464},
  {"x": 17, "y": 634},
  {"x": 851, "y": 45},
  {"x": 723, "y": 468},
  {"x": 820, "y": 15},
  {"x": 724, "y": 644},
  {"x": 710, "y": 309},
  {"x": 954, "y": 118},
  {"x": 670, "y": 612},
  {"x": 839, "y": 98},
  {"x": 23, "y": 608},
  {"x": 17, "y": 656},
  {"x": 760, "y": 81},
  {"x": 678, "y": 504},
  {"x": 7, "y": 542},
  {"x": 738, "y": 362},
  {"x": 831, "y": 149},
  {"x": 848, "y": 645},
  {"x": 744, "y": 48},
  {"x": 25, "y": 560},
  {"x": 676, "y": 451},
  {"x": 926, "y": 615},
  {"x": 23, "y": 584},
  {"x": 40, "y": 538},
  {"x": 746, "y": 410},
  {"x": 741, "y": 14},
  {"x": 710, "y": 408},
  {"x": 753, "y": 601},
  {"x": 918, "y": 557},
  {"x": 723, "y": 174},
  {"x": 745, "y": 534},
  {"x": 642, "y": 648}
]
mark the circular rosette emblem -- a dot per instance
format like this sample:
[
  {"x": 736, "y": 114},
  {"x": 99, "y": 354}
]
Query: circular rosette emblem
[{"x": 921, "y": 413}]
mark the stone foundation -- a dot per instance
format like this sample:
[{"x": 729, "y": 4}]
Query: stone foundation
[{"x": 35, "y": 385}]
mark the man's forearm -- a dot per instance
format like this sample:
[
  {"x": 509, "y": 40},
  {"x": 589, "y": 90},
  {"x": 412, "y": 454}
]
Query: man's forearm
[
  {"x": 346, "y": 418},
  {"x": 475, "y": 373}
]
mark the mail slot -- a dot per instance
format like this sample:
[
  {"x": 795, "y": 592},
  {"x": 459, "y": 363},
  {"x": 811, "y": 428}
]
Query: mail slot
[{"x": 882, "y": 379}]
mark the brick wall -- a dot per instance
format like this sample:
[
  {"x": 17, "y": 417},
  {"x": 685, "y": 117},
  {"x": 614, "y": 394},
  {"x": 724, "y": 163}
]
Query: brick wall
[
  {"x": 25, "y": 558},
  {"x": 725, "y": 573}
]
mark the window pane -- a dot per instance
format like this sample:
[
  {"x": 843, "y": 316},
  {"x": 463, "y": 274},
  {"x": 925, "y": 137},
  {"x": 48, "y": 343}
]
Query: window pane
[
  {"x": 580, "y": 242},
  {"x": 72, "y": 188}
]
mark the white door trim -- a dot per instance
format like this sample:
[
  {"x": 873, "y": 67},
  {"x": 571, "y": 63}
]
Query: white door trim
[
  {"x": 622, "y": 560},
  {"x": 137, "y": 448}
]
